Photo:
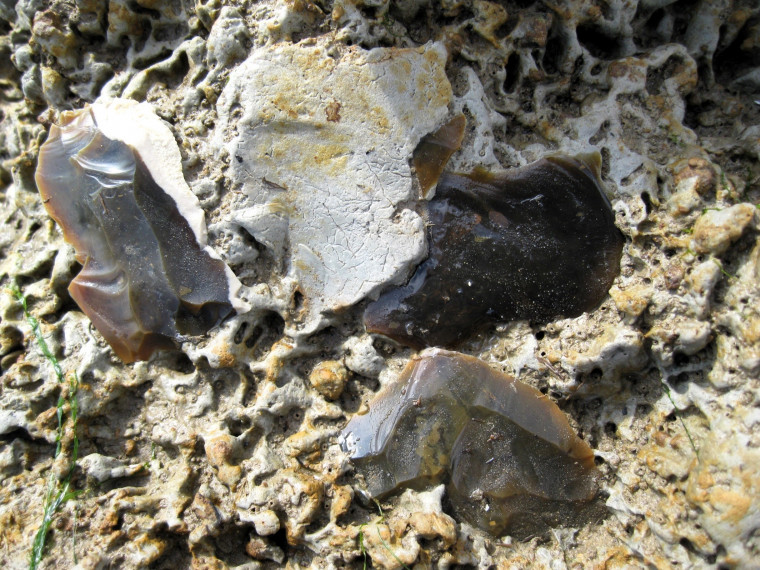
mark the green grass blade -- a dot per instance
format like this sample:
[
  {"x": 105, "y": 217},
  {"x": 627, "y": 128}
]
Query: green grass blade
[{"x": 57, "y": 493}]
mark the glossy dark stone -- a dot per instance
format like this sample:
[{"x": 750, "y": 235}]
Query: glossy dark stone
[
  {"x": 145, "y": 279},
  {"x": 435, "y": 150},
  {"x": 509, "y": 458},
  {"x": 535, "y": 243}
]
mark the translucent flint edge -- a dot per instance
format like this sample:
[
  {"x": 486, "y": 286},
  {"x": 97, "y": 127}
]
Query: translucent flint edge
[{"x": 137, "y": 125}]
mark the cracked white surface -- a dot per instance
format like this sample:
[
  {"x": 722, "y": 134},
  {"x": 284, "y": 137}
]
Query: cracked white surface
[{"x": 325, "y": 166}]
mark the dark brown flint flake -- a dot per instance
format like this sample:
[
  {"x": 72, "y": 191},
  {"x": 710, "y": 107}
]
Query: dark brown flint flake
[
  {"x": 507, "y": 454},
  {"x": 145, "y": 279},
  {"x": 537, "y": 243},
  {"x": 435, "y": 150}
]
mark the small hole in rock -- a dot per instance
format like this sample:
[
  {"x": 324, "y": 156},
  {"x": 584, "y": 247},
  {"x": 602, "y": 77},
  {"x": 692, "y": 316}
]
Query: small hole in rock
[
  {"x": 297, "y": 301},
  {"x": 180, "y": 362},
  {"x": 597, "y": 42},
  {"x": 647, "y": 201},
  {"x": 513, "y": 73},
  {"x": 254, "y": 337},
  {"x": 240, "y": 333},
  {"x": 686, "y": 543},
  {"x": 680, "y": 359}
]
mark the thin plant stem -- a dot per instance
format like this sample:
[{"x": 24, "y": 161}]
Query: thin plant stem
[
  {"x": 58, "y": 492},
  {"x": 363, "y": 548},
  {"x": 680, "y": 419}
]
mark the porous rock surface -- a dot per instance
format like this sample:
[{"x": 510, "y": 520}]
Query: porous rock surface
[{"x": 224, "y": 455}]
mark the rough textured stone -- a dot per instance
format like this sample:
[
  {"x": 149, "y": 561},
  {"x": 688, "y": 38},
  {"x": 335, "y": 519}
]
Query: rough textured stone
[{"x": 660, "y": 379}]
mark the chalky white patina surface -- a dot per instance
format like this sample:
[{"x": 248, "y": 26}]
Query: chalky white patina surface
[{"x": 320, "y": 144}]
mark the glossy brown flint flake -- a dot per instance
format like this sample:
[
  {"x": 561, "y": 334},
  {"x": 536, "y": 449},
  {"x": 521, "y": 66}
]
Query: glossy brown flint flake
[
  {"x": 509, "y": 458},
  {"x": 435, "y": 150},
  {"x": 145, "y": 279},
  {"x": 537, "y": 243}
]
